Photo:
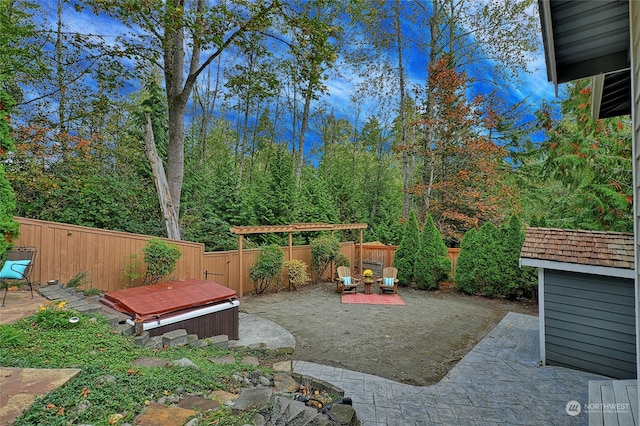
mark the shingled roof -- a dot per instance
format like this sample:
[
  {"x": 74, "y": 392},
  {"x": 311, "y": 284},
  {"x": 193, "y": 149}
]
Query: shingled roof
[{"x": 595, "y": 248}]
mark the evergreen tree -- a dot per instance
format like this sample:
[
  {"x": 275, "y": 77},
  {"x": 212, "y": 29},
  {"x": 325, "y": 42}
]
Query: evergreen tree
[
  {"x": 489, "y": 262},
  {"x": 212, "y": 201},
  {"x": 487, "y": 266},
  {"x": 465, "y": 277},
  {"x": 276, "y": 195},
  {"x": 8, "y": 227},
  {"x": 19, "y": 60},
  {"x": 314, "y": 203},
  {"x": 405, "y": 256},
  {"x": 431, "y": 264},
  {"x": 580, "y": 176},
  {"x": 514, "y": 280},
  {"x": 507, "y": 255}
]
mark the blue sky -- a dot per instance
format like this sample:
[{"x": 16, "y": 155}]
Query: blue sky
[{"x": 534, "y": 88}]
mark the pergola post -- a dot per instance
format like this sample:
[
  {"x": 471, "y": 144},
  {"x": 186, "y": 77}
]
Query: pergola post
[
  {"x": 290, "y": 256},
  {"x": 240, "y": 269},
  {"x": 332, "y": 272},
  {"x": 361, "y": 248}
]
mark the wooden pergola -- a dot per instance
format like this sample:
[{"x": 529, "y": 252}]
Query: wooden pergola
[{"x": 241, "y": 231}]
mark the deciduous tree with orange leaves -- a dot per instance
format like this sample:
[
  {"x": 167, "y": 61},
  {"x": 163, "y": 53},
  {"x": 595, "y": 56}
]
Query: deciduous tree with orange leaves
[{"x": 463, "y": 181}]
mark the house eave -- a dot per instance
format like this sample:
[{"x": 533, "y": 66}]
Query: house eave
[{"x": 578, "y": 267}]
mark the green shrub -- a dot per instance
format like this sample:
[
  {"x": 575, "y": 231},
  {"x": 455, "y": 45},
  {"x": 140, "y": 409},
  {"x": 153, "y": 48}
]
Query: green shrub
[
  {"x": 9, "y": 228},
  {"x": 130, "y": 271},
  {"x": 92, "y": 291},
  {"x": 489, "y": 262},
  {"x": 53, "y": 315},
  {"x": 342, "y": 260},
  {"x": 78, "y": 280},
  {"x": 432, "y": 264},
  {"x": 405, "y": 256},
  {"x": 514, "y": 281},
  {"x": 267, "y": 269},
  {"x": 296, "y": 272},
  {"x": 476, "y": 270},
  {"x": 324, "y": 250},
  {"x": 486, "y": 260},
  {"x": 465, "y": 279},
  {"x": 161, "y": 258}
]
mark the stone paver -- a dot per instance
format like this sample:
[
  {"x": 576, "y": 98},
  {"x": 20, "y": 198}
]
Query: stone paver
[
  {"x": 498, "y": 383},
  {"x": 19, "y": 386}
]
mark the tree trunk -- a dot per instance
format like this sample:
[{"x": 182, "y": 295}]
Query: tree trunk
[
  {"x": 403, "y": 132},
  {"x": 431, "y": 146},
  {"x": 177, "y": 97},
  {"x": 60, "y": 74},
  {"x": 168, "y": 208},
  {"x": 308, "y": 95}
]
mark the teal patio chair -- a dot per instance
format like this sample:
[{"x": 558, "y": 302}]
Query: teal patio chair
[{"x": 17, "y": 267}]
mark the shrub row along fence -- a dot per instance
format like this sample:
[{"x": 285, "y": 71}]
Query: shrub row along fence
[{"x": 111, "y": 258}]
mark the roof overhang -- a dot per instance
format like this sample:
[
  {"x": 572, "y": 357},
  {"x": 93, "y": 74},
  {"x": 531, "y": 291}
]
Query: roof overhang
[
  {"x": 583, "y": 39},
  {"x": 611, "y": 94},
  {"x": 578, "y": 267}
]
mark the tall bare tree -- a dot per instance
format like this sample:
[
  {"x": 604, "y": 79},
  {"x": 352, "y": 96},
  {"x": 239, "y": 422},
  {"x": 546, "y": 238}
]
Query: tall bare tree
[{"x": 183, "y": 38}]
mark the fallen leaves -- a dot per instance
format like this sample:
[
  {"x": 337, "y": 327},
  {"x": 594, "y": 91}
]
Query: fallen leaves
[
  {"x": 60, "y": 410},
  {"x": 115, "y": 418}
]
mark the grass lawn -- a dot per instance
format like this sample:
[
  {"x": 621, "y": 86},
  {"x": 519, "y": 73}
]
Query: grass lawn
[{"x": 109, "y": 389}]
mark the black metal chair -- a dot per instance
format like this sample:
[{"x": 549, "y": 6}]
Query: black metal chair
[{"x": 17, "y": 267}]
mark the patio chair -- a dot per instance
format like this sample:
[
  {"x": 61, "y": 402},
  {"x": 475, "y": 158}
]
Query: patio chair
[
  {"x": 389, "y": 280},
  {"x": 346, "y": 281},
  {"x": 17, "y": 267}
]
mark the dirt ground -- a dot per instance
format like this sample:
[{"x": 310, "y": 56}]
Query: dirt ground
[{"x": 415, "y": 344}]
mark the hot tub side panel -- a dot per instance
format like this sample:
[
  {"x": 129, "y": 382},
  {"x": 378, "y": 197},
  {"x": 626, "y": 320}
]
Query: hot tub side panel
[{"x": 213, "y": 324}]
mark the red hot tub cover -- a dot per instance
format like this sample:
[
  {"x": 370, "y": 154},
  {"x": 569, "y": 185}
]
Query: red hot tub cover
[{"x": 158, "y": 300}]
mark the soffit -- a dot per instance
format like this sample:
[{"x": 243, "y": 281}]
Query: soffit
[
  {"x": 616, "y": 95},
  {"x": 584, "y": 38}
]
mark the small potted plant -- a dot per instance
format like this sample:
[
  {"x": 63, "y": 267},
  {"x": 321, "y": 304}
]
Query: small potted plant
[{"x": 368, "y": 275}]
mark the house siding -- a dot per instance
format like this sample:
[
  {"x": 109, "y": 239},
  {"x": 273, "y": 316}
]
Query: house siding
[
  {"x": 634, "y": 24},
  {"x": 590, "y": 323}
]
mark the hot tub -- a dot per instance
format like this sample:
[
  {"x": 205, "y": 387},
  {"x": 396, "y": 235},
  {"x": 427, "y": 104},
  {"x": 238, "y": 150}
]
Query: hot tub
[{"x": 200, "y": 307}]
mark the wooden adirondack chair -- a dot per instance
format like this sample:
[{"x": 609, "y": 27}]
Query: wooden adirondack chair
[
  {"x": 347, "y": 283},
  {"x": 389, "y": 280}
]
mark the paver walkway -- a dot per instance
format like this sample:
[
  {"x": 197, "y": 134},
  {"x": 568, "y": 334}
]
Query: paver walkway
[{"x": 498, "y": 382}]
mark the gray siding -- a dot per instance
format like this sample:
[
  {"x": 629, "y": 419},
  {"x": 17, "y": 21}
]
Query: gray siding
[{"x": 590, "y": 323}]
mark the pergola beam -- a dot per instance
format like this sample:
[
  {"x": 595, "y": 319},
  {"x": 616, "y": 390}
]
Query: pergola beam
[{"x": 296, "y": 227}]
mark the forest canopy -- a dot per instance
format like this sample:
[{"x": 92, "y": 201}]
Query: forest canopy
[{"x": 166, "y": 120}]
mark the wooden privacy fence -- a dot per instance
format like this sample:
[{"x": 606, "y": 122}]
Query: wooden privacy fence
[{"x": 66, "y": 250}]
